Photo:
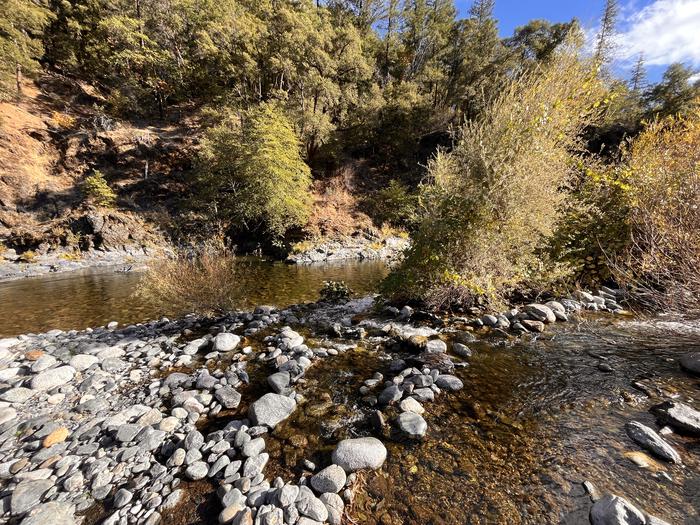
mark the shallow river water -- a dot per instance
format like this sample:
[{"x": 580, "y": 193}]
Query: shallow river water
[{"x": 535, "y": 420}]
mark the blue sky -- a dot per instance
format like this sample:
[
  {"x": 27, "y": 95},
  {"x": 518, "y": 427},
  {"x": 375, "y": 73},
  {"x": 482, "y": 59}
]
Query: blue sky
[{"x": 666, "y": 31}]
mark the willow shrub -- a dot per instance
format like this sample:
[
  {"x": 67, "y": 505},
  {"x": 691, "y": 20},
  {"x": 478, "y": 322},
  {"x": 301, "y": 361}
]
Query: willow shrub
[
  {"x": 494, "y": 201},
  {"x": 252, "y": 173},
  {"x": 202, "y": 283},
  {"x": 661, "y": 176}
]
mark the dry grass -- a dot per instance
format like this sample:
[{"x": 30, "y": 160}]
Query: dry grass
[
  {"x": 335, "y": 210},
  {"x": 661, "y": 265},
  {"x": 200, "y": 284}
]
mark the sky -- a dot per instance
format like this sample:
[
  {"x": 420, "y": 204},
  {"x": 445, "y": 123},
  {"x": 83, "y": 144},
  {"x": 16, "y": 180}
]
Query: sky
[{"x": 665, "y": 31}]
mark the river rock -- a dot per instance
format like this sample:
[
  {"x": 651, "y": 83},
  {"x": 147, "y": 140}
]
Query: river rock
[
  {"x": 359, "y": 453},
  {"x": 461, "y": 350},
  {"x": 678, "y": 415},
  {"x": 54, "y": 513},
  {"x": 271, "y": 409},
  {"x": 449, "y": 382},
  {"x": 330, "y": 479},
  {"x": 540, "y": 312},
  {"x": 389, "y": 395},
  {"x": 7, "y": 414},
  {"x": 411, "y": 405},
  {"x": 225, "y": 342},
  {"x": 28, "y": 494},
  {"x": 647, "y": 438},
  {"x": 17, "y": 395},
  {"x": 279, "y": 382},
  {"x": 615, "y": 510},
  {"x": 436, "y": 346},
  {"x": 228, "y": 397},
  {"x": 533, "y": 326},
  {"x": 53, "y": 378},
  {"x": 83, "y": 361},
  {"x": 412, "y": 425},
  {"x": 197, "y": 470},
  {"x": 691, "y": 363}
]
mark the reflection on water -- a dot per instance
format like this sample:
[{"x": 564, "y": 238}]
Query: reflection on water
[{"x": 96, "y": 297}]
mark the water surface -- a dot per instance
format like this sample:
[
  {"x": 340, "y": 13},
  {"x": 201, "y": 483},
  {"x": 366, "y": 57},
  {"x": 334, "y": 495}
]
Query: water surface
[{"x": 94, "y": 297}]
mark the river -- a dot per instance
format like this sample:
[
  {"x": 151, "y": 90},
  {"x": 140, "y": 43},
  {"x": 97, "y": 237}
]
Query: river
[
  {"x": 94, "y": 297},
  {"x": 537, "y": 417}
]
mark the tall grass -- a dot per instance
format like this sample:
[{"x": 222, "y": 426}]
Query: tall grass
[{"x": 201, "y": 283}]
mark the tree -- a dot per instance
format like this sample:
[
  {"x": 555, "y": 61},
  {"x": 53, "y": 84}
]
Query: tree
[
  {"x": 21, "y": 25},
  {"x": 639, "y": 75},
  {"x": 605, "y": 42},
  {"x": 675, "y": 94},
  {"x": 251, "y": 170},
  {"x": 536, "y": 41}
]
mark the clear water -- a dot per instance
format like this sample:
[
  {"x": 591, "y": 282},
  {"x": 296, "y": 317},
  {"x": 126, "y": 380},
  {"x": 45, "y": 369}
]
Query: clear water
[{"x": 95, "y": 297}]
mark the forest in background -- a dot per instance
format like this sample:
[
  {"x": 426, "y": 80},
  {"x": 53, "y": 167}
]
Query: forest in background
[{"x": 512, "y": 161}]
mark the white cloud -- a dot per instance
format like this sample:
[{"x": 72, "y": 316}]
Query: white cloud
[{"x": 665, "y": 31}]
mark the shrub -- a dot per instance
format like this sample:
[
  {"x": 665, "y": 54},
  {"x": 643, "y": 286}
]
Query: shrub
[
  {"x": 335, "y": 292},
  {"x": 97, "y": 190},
  {"x": 394, "y": 205},
  {"x": 661, "y": 174},
  {"x": 28, "y": 257},
  {"x": 253, "y": 172},
  {"x": 201, "y": 283},
  {"x": 495, "y": 200},
  {"x": 62, "y": 120}
]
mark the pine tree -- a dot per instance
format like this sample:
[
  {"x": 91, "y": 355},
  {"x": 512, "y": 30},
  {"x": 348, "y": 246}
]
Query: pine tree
[
  {"x": 638, "y": 79},
  {"x": 605, "y": 44},
  {"x": 482, "y": 10}
]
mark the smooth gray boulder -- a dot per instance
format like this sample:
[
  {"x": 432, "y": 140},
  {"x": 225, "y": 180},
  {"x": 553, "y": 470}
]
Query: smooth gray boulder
[
  {"x": 28, "y": 494},
  {"x": 650, "y": 440},
  {"x": 678, "y": 415},
  {"x": 228, "y": 397},
  {"x": 54, "y": 513},
  {"x": 615, "y": 510},
  {"x": 412, "y": 425},
  {"x": 330, "y": 479},
  {"x": 279, "y": 382},
  {"x": 53, "y": 378},
  {"x": 225, "y": 342},
  {"x": 271, "y": 409},
  {"x": 359, "y": 453},
  {"x": 390, "y": 395},
  {"x": 436, "y": 346},
  {"x": 691, "y": 363},
  {"x": 449, "y": 382},
  {"x": 540, "y": 312}
]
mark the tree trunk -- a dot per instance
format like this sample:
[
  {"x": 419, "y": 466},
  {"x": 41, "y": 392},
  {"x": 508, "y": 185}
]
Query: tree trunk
[{"x": 18, "y": 77}]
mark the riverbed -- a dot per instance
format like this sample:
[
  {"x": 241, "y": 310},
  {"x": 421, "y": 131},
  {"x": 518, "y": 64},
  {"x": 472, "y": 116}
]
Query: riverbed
[{"x": 539, "y": 415}]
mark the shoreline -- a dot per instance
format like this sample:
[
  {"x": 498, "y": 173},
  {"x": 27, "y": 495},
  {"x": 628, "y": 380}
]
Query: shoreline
[{"x": 143, "y": 393}]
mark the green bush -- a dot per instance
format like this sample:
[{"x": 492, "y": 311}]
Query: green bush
[
  {"x": 496, "y": 198},
  {"x": 394, "y": 205},
  {"x": 335, "y": 292},
  {"x": 97, "y": 191},
  {"x": 251, "y": 169}
]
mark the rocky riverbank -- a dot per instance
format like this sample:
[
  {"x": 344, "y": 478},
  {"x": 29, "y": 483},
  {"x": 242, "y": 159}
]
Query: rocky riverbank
[
  {"x": 13, "y": 267},
  {"x": 105, "y": 425},
  {"x": 350, "y": 248}
]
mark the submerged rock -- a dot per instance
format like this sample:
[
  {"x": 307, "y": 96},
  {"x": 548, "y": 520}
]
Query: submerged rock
[
  {"x": 359, "y": 453},
  {"x": 412, "y": 425},
  {"x": 678, "y": 415},
  {"x": 691, "y": 363},
  {"x": 647, "y": 438}
]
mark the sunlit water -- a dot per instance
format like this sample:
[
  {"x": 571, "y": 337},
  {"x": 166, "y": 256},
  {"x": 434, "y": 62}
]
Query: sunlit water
[{"x": 95, "y": 297}]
